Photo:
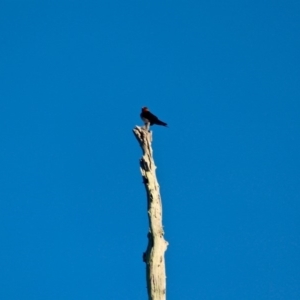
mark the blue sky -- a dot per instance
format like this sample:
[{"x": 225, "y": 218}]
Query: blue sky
[{"x": 73, "y": 78}]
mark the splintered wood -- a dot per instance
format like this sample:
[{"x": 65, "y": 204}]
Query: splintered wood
[{"x": 157, "y": 245}]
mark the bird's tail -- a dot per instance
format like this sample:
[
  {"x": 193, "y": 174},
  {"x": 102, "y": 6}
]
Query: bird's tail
[{"x": 159, "y": 122}]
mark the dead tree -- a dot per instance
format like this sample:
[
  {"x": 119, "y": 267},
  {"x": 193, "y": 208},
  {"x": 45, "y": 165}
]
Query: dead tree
[{"x": 157, "y": 245}]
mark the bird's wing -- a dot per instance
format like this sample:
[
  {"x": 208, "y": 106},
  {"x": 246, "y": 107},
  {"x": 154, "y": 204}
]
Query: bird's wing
[{"x": 151, "y": 116}]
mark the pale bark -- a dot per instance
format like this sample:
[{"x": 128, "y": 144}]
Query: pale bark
[{"x": 157, "y": 245}]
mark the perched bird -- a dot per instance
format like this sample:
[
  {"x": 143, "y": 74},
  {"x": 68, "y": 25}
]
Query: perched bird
[{"x": 150, "y": 119}]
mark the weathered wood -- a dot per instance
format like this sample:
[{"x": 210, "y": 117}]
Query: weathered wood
[{"x": 157, "y": 245}]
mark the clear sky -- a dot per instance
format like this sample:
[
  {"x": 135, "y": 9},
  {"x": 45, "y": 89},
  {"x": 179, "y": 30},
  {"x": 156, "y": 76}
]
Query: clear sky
[{"x": 73, "y": 77}]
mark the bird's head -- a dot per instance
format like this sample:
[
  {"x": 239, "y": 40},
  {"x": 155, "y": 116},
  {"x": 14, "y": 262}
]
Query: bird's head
[{"x": 145, "y": 108}]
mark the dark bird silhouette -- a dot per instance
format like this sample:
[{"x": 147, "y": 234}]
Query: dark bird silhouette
[{"x": 151, "y": 119}]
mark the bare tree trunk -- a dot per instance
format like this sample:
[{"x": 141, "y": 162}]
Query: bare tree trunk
[{"x": 157, "y": 245}]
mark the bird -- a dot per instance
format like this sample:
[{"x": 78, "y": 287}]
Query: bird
[{"x": 150, "y": 119}]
